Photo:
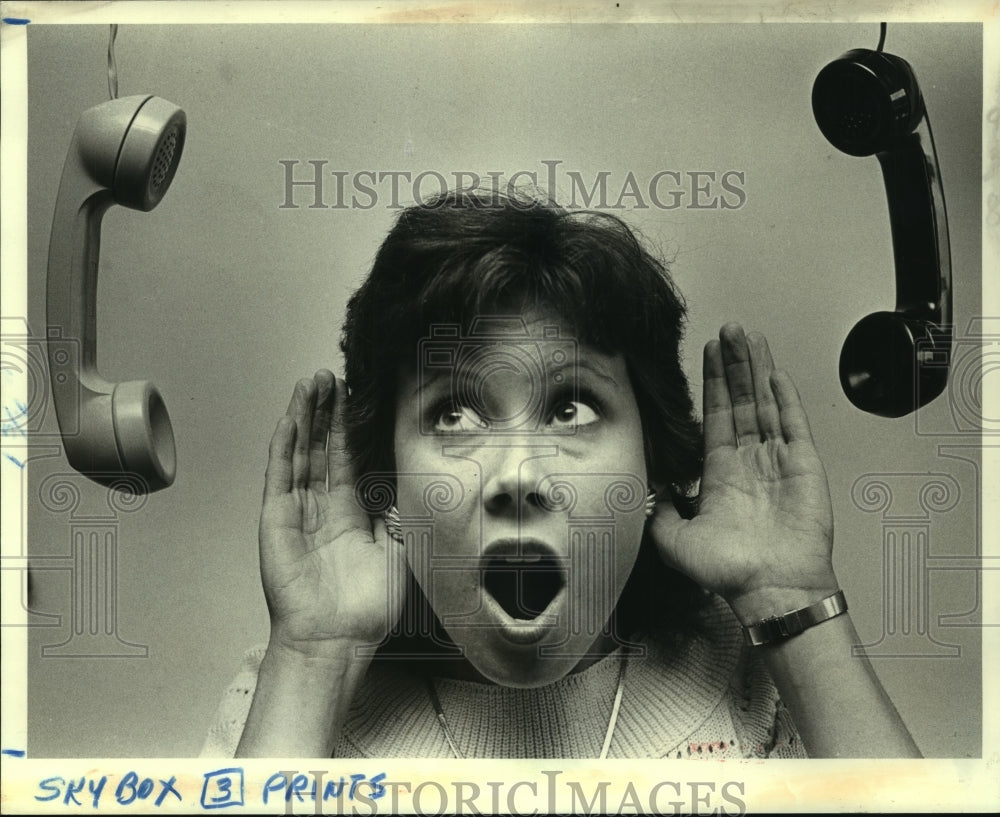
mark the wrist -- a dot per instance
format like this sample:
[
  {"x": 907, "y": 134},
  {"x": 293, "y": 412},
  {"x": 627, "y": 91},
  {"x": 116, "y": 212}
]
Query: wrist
[
  {"x": 778, "y": 629},
  {"x": 316, "y": 653},
  {"x": 756, "y": 605},
  {"x": 321, "y": 682},
  {"x": 325, "y": 674}
]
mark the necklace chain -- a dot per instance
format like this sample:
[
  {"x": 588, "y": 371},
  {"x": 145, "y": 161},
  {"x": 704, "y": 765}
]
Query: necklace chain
[{"x": 612, "y": 722}]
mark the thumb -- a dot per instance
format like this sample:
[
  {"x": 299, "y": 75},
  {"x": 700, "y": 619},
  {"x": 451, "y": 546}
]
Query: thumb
[{"x": 665, "y": 529}]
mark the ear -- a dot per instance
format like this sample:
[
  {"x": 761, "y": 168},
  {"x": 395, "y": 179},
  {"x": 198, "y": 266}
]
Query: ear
[{"x": 660, "y": 487}]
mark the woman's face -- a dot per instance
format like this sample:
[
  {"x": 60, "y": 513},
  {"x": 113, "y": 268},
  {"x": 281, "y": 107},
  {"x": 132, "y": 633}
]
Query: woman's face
[{"x": 521, "y": 491}]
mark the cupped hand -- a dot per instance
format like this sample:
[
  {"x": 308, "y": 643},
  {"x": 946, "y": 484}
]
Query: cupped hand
[
  {"x": 763, "y": 534},
  {"x": 331, "y": 575}
]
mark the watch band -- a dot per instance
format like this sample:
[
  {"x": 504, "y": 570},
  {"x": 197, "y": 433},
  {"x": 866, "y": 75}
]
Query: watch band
[{"x": 778, "y": 628}]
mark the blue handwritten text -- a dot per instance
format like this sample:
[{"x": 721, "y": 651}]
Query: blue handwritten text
[{"x": 130, "y": 789}]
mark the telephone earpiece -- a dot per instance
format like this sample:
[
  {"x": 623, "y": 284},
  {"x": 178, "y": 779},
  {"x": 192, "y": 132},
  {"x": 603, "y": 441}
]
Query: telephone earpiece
[
  {"x": 865, "y": 103},
  {"x": 124, "y": 151}
]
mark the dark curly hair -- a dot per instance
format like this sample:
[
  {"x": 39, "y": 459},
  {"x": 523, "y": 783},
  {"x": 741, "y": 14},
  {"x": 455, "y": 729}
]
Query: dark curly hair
[{"x": 470, "y": 253}]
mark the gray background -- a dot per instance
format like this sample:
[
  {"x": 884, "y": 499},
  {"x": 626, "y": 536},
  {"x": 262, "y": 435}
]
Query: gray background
[{"x": 223, "y": 299}]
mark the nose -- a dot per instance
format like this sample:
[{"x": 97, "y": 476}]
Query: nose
[{"x": 512, "y": 483}]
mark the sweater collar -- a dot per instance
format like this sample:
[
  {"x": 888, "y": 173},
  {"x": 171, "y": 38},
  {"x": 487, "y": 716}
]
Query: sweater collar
[{"x": 668, "y": 694}]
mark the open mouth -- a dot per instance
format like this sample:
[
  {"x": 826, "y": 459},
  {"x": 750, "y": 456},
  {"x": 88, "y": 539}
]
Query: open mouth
[{"x": 523, "y": 585}]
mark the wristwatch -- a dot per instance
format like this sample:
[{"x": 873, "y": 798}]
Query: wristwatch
[{"x": 778, "y": 628}]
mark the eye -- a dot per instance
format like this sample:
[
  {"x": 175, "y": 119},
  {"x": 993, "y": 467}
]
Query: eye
[
  {"x": 573, "y": 414},
  {"x": 453, "y": 418}
]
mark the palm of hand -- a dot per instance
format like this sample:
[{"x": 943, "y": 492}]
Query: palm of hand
[
  {"x": 326, "y": 566},
  {"x": 765, "y": 518}
]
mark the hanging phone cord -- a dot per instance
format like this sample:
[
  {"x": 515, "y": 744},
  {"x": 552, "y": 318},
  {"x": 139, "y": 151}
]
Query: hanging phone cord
[{"x": 112, "y": 65}]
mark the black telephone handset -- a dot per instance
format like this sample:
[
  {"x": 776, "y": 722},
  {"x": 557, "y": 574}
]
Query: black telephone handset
[
  {"x": 124, "y": 151},
  {"x": 892, "y": 363}
]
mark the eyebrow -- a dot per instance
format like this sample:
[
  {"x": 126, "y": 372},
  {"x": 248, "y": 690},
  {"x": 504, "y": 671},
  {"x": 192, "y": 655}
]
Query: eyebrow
[
  {"x": 587, "y": 365},
  {"x": 573, "y": 365}
]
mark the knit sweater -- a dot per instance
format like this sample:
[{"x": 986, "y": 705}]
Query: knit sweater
[{"x": 711, "y": 699}]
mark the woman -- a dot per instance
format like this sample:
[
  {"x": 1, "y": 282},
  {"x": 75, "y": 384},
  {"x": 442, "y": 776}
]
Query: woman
[{"x": 511, "y": 538}]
